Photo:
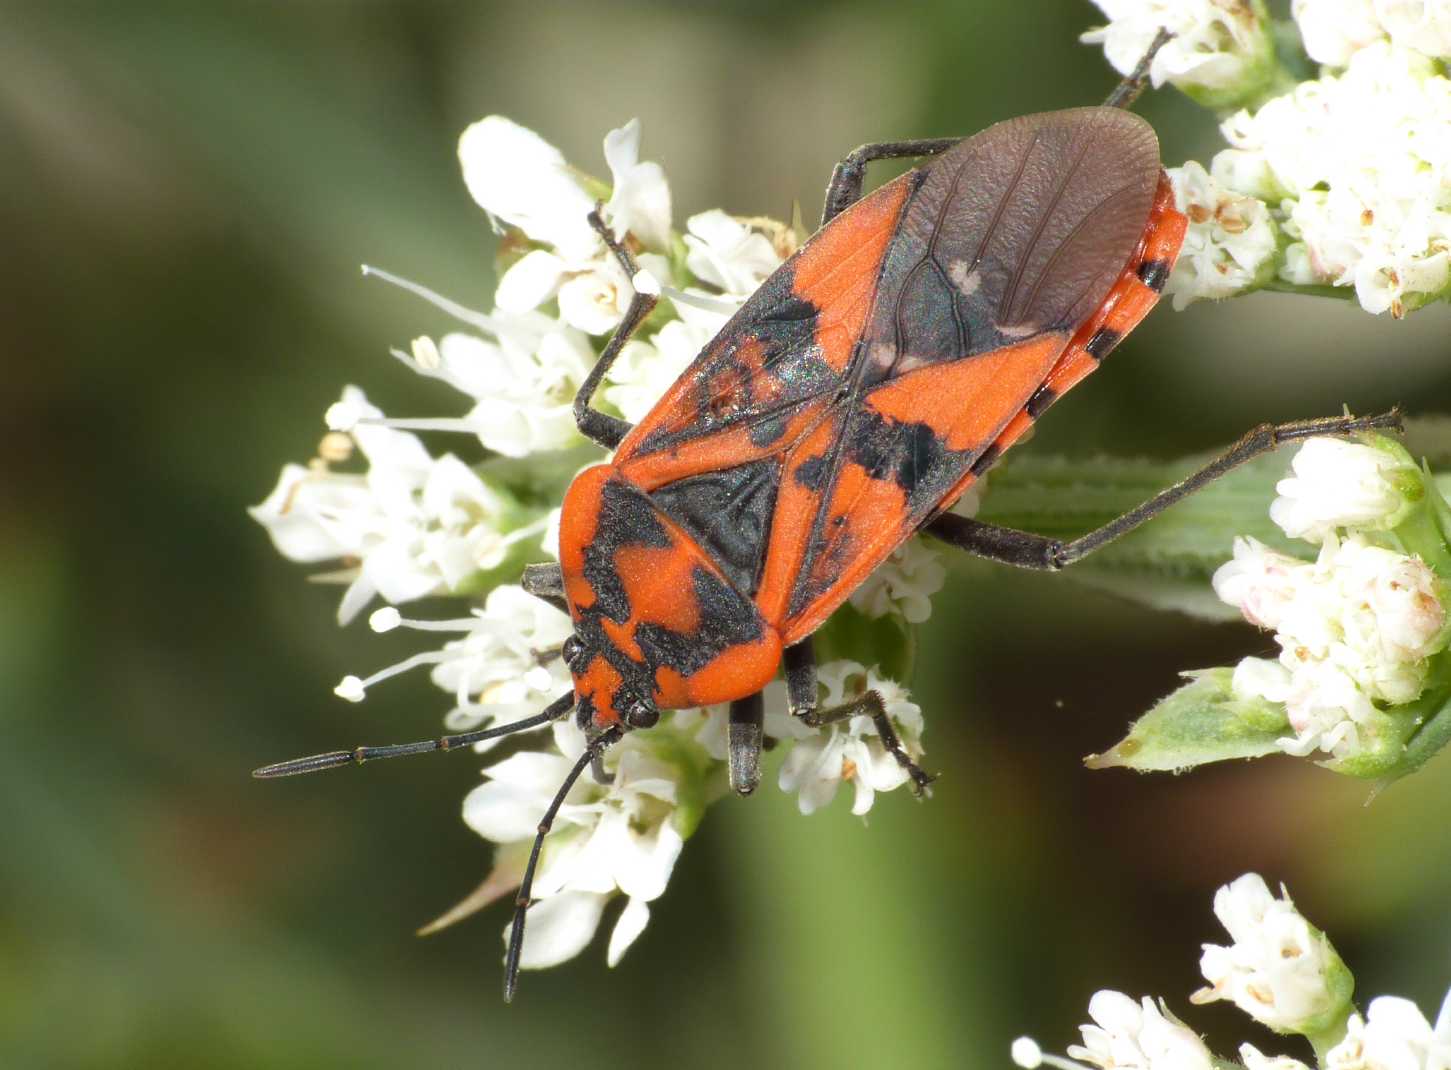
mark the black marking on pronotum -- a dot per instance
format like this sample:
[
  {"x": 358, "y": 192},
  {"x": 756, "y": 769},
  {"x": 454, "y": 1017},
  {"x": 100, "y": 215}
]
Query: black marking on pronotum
[
  {"x": 1154, "y": 273},
  {"x": 1102, "y": 342},
  {"x": 1041, "y": 399},
  {"x": 728, "y": 513}
]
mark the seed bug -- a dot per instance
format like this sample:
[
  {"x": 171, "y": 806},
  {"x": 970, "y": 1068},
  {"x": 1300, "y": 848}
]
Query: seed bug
[{"x": 845, "y": 407}]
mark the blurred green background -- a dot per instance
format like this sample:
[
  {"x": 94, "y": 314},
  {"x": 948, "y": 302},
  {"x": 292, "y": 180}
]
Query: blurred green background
[{"x": 188, "y": 190}]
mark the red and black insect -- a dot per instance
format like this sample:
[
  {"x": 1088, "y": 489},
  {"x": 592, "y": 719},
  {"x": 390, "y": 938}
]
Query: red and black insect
[{"x": 852, "y": 399}]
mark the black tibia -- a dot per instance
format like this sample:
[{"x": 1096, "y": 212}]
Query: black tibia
[
  {"x": 1026, "y": 550},
  {"x": 847, "y": 177},
  {"x": 610, "y": 431},
  {"x": 746, "y": 733},
  {"x": 801, "y": 697},
  {"x": 546, "y": 582},
  {"x": 1128, "y": 90},
  {"x": 522, "y": 901}
]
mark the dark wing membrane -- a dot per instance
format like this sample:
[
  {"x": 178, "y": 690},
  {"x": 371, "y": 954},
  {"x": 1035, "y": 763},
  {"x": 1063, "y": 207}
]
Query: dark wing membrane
[
  {"x": 1018, "y": 230},
  {"x": 1013, "y": 238}
]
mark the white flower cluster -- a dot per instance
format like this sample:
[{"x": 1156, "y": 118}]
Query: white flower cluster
[
  {"x": 412, "y": 525},
  {"x": 1340, "y": 181},
  {"x": 1282, "y": 972},
  {"x": 1355, "y": 626},
  {"x": 415, "y": 525}
]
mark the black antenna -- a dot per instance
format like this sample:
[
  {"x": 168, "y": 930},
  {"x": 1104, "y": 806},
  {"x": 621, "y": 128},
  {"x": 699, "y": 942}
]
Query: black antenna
[
  {"x": 358, "y": 755},
  {"x": 1128, "y": 90},
  {"x": 592, "y": 751}
]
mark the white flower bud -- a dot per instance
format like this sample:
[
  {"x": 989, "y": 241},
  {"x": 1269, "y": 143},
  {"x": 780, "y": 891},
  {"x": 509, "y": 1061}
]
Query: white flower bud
[
  {"x": 1394, "y": 1035},
  {"x": 1340, "y": 484},
  {"x": 1334, "y": 30},
  {"x": 1262, "y": 583},
  {"x": 1138, "y": 1036},
  {"x": 1280, "y": 970}
]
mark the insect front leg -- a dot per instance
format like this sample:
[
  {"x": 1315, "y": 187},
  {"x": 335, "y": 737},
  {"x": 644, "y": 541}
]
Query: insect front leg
[
  {"x": 610, "y": 431},
  {"x": 847, "y": 177},
  {"x": 745, "y": 737},
  {"x": 1027, "y": 550},
  {"x": 802, "y": 697},
  {"x": 546, "y": 583}
]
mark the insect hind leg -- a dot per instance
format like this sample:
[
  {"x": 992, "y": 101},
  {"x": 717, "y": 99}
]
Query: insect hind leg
[
  {"x": 602, "y": 428},
  {"x": 1127, "y": 91},
  {"x": 802, "y": 697},
  {"x": 847, "y": 177},
  {"x": 1025, "y": 549}
]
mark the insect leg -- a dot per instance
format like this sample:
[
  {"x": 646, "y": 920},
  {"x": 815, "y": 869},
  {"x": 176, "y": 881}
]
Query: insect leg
[
  {"x": 802, "y": 697},
  {"x": 522, "y": 901},
  {"x": 610, "y": 431},
  {"x": 746, "y": 735},
  {"x": 1027, "y": 550},
  {"x": 358, "y": 755},
  {"x": 1128, "y": 90},
  {"x": 546, "y": 583},
  {"x": 846, "y": 178}
]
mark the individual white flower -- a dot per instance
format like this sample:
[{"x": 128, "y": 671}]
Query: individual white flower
[
  {"x": 852, "y": 750},
  {"x": 1280, "y": 969},
  {"x": 1219, "y": 52},
  {"x": 1394, "y": 1035},
  {"x": 904, "y": 583},
  {"x": 617, "y": 839},
  {"x": 1393, "y": 611},
  {"x": 593, "y": 294},
  {"x": 414, "y": 524},
  {"x": 523, "y": 386},
  {"x": 1334, "y": 30},
  {"x": 1253, "y": 1060},
  {"x": 518, "y": 177},
  {"x": 728, "y": 253},
  {"x": 640, "y": 199},
  {"x": 1143, "y": 1035},
  {"x": 1336, "y": 483},
  {"x": 1261, "y": 583},
  {"x": 1230, "y": 244},
  {"x": 1326, "y": 709},
  {"x": 591, "y": 287}
]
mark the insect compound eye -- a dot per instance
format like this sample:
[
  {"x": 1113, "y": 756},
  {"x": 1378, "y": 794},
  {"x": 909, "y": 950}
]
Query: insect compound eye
[
  {"x": 572, "y": 652},
  {"x": 642, "y": 714}
]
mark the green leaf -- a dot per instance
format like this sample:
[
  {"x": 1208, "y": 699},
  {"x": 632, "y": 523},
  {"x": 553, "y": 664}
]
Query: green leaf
[{"x": 1201, "y": 722}]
